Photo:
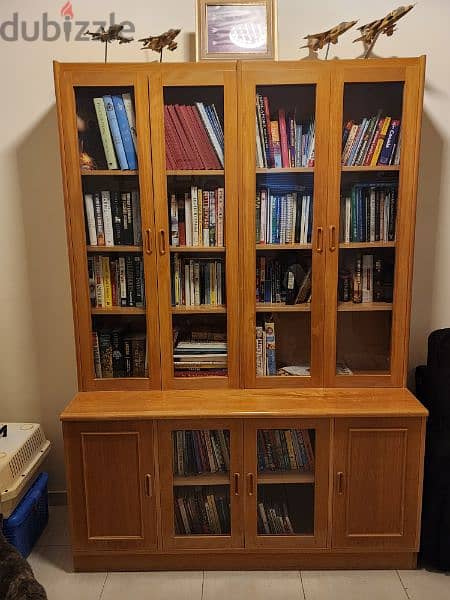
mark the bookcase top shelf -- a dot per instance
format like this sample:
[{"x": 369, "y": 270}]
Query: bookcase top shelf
[
  {"x": 367, "y": 245},
  {"x": 364, "y": 306},
  {"x": 196, "y": 172},
  {"x": 202, "y": 249},
  {"x": 376, "y": 168},
  {"x": 118, "y": 249},
  {"x": 203, "y": 479},
  {"x": 283, "y": 246},
  {"x": 112, "y": 172},
  {"x": 281, "y": 307},
  {"x": 198, "y": 309},
  {"x": 119, "y": 310},
  {"x": 285, "y": 170}
]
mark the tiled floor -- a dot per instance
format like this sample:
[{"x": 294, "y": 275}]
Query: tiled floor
[{"x": 51, "y": 563}]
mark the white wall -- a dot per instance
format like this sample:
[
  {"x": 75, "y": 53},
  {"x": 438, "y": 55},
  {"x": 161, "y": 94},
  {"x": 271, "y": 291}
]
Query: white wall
[{"x": 37, "y": 357}]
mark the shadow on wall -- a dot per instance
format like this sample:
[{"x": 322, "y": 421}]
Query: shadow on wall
[
  {"x": 48, "y": 273},
  {"x": 428, "y": 200}
]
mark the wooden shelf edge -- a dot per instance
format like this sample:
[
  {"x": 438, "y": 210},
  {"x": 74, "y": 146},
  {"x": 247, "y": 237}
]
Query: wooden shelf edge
[
  {"x": 367, "y": 245},
  {"x": 202, "y": 308},
  {"x": 202, "y": 249},
  {"x": 285, "y": 170},
  {"x": 107, "y": 172},
  {"x": 118, "y": 311},
  {"x": 195, "y": 172},
  {"x": 114, "y": 249},
  {"x": 280, "y": 307},
  {"x": 285, "y": 477},
  {"x": 376, "y": 168},
  {"x": 364, "y": 306},
  {"x": 202, "y": 479},
  {"x": 283, "y": 246}
]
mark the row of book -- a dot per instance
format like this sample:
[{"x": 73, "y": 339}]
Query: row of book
[
  {"x": 375, "y": 141},
  {"x": 282, "y": 142},
  {"x": 117, "y": 281},
  {"x": 113, "y": 218},
  {"x": 197, "y": 281},
  {"x": 197, "y": 217},
  {"x": 117, "y": 123},
  {"x": 201, "y": 451},
  {"x": 285, "y": 450},
  {"x": 119, "y": 354},
  {"x": 277, "y": 282},
  {"x": 194, "y": 137},
  {"x": 283, "y": 218},
  {"x": 205, "y": 357},
  {"x": 273, "y": 518},
  {"x": 202, "y": 510},
  {"x": 369, "y": 279},
  {"x": 368, "y": 213}
]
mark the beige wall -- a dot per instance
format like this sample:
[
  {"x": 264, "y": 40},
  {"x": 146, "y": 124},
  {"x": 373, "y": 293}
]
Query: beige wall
[{"x": 37, "y": 358}]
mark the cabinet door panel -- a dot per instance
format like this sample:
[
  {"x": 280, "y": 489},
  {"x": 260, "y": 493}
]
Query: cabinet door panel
[
  {"x": 111, "y": 477},
  {"x": 377, "y": 478}
]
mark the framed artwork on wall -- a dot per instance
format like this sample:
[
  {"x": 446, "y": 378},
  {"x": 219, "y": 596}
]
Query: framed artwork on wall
[{"x": 233, "y": 29}]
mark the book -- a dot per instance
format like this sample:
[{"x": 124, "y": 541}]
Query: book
[
  {"x": 125, "y": 131},
  {"x": 107, "y": 218},
  {"x": 129, "y": 108},
  {"x": 105, "y": 133},
  {"x": 115, "y": 132},
  {"x": 372, "y": 142},
  {"x": 98, "y": 213},
  {"x": 90, "y": 219}
]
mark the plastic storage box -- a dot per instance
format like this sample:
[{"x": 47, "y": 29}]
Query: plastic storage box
[
  {"x": 21, "y": 454},
  {"x": 23, "y": 528}
]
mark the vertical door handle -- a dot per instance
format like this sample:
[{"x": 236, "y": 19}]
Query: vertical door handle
[
  {"x": 250, "y": 484},
  {"x": 340, "y": 483},
  {"x": 332, "y": 240},
  {"x": 162, "y": 242},
  {"x": 236, "y": 484},
  {"x": 148, "y": 485},
  {"x": 148, "y": 241},
  {"x": 319, "y": 243}
]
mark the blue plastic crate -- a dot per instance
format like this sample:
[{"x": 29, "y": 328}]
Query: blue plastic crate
[{"x": 24, "y": 526}]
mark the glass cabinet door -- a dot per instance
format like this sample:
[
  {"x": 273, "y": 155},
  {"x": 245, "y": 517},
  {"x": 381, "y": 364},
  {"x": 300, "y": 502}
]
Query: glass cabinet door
[
  {"x": 370, "y": 213},
  {"x": 106, "y": 125},
  {"x": 284, "y": 167},
  {"x": 287, "y": 481},
  {"x": 195, "y": 173},
  {"x": 201, "y": 480}
]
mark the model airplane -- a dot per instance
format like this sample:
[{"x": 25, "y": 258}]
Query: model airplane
[
  {"x": 316, "y": 41},
  {"x": 157, "y": 43},
  {"x": 112, "y": 34},
  {"x": 371, "y": 31}
]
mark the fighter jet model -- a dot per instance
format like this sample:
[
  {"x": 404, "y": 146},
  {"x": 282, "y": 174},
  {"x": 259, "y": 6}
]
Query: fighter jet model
[
  {"x": 112, "y": 34},
  {"x": 157, "y": 43},
  {"x": 316, "y": 41},
  {"x": 371, "y": 31}
]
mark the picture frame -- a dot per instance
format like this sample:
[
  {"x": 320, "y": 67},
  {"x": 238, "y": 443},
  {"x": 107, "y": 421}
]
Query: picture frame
[{"x": 236, "y": 29}]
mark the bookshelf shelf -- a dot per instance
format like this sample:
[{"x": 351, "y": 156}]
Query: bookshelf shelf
[
  {"x": 260, "y": 247},
  {"x": 193, "y": 249},
  {"x": 119, "y": 310},
  {"x": 356, "y": 245},
  {"x": 285, "y": 170},
  {"x": 202, "y": 479},
  {"x": 118, "y": 249},
  {"x": 195, "y": 172},
  {"x": 369, "y": 169},
  {"x": 280, "y": 307},
  {"x": 285, "y": 477},
  {"x": 199, "y": 309},
  {"x": 364, "y": 306},
  {"x": 107, "y": 172}
]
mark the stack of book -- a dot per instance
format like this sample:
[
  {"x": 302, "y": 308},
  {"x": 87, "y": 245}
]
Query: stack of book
[
  {"x": 282, "y": 141},
  {"x": 368, "y": 213},
  {"x": 197, "y": 217},
  {"x": 368, "y": 279},
  {"x": 202, "y": 510},
  {"x": 283, "y": 218},
  {"x": 117, "y": 281},
  {"x": 119, "y": 354},
  {"x": 279, "y": 283},
  {"x": 273, "y": 518},
  {"x": 199, "y": 358},
  {"x": 113, "y": 218},
  {"x": 194, "y": 137},
  {"x": 197, "y": 281},
  {"x": 201, "y": 451},
  {"x": 266, "y": 363},
  {"x": 117, "y": 123},
  {"x": 285, "y": 450},
  {"x": 375, "y": 141}
]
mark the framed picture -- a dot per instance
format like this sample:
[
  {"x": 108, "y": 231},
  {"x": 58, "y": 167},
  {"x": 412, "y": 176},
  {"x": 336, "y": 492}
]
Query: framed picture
[{"x": 232, "y": 29}]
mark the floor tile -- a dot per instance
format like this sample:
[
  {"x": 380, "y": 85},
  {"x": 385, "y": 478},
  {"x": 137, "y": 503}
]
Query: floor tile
[
  {"x": 57, "y": 531},
  {"x": 352, "y": 585},
  {"x": 180, "y": 585},
  {"x": 52, "y": 567},
  {"x": 253, "y": 585},
  {"x": 423, "y": 585}
]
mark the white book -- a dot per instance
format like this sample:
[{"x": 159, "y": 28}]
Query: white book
[
  {"x": 263, "y": 232},
  {"x": 348, "y": 219},
  {"x": 107, "y": 219},
  {"x": 105, "y": 133},
  {"x": 174, "y": 233},
  {"x": 304, "y": 219},
  {"x": 259, "y": 352},
  {"x": 129, "y": 109},
  {"x": 122, "y": 281},
  {"x": 367, "y": 278},
  {"x": 372, "y": 215},
  {"x": 211, "y": 133},
  {"x": 99, "y": 287},
  {"x": 294, "y": 216},
  {"x": 195, "y": 215},
  {"x": 282, "y": 222},
  {"x": 90, "y": 218},
  {"x": 269, "y": 220},
  {"x": 220, "y": 216},
  {"x": 196, "y": 283},
  {"x": 188, "y": 219}
]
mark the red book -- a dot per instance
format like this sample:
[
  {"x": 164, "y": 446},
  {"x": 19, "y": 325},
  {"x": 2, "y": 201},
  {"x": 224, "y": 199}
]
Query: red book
[
  {"x": 185, "y": 146},
  {"x": 269, "y": 130},
  {"x": 213, "y": 161},
  {"x": 186, "y": 116},
  {"x": 283, "y": 138},
  {"x": 170, "y": 158},
  {"x": 179, "y": 159}
]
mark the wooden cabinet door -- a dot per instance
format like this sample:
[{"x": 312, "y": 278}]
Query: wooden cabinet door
[
  {"x": 287, "y": 465},
  {"x": 200, "y": 469},
  {"x": 377, "y": 483},
  {"x": 111, "y": 483}
]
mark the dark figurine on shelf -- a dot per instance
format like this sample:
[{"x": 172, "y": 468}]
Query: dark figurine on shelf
[
  {"x": 316, "y": 41},
  {"x": 372, "y": 31},
  {"x": 112, "y": 34},
  {"x": 157, "y": 43}
]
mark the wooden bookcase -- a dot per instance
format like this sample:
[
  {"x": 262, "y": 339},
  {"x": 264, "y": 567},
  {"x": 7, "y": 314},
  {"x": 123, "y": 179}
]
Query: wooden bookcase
[{"x": 253, "y": 463}]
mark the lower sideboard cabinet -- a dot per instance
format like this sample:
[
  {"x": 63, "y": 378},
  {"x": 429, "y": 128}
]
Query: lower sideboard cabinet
[{"x": 111, "y": 484}]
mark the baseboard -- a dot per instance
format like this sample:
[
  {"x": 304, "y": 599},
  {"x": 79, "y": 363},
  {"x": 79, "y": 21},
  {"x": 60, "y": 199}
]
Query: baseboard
[{"x": 57, "y": 498}]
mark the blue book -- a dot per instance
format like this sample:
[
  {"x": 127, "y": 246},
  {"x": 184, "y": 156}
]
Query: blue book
[
  {"x": 278, "y": 221},
  {"x": 360, "y": 216},
  {"x": 390, "y": 142},
  {"x": 115, "y": 132},
  {"x": 310, "y": 220},
  {"x": 125, "y": 132},
  {"x": 357, "y": 142}
]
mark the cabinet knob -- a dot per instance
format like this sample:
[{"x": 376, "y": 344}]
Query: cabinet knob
[
  {"x": 162, "y": 242},
  {"x": 148, "y": 485},
  {"x": 236, "y": 484},
  {"x": 332, "y": 241},
  {"x": 340, "y": 483},
  {"x": 148, "y": 241},
  {"x": 250, "y": 484},
  {"x": 319, "y": 241}
]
